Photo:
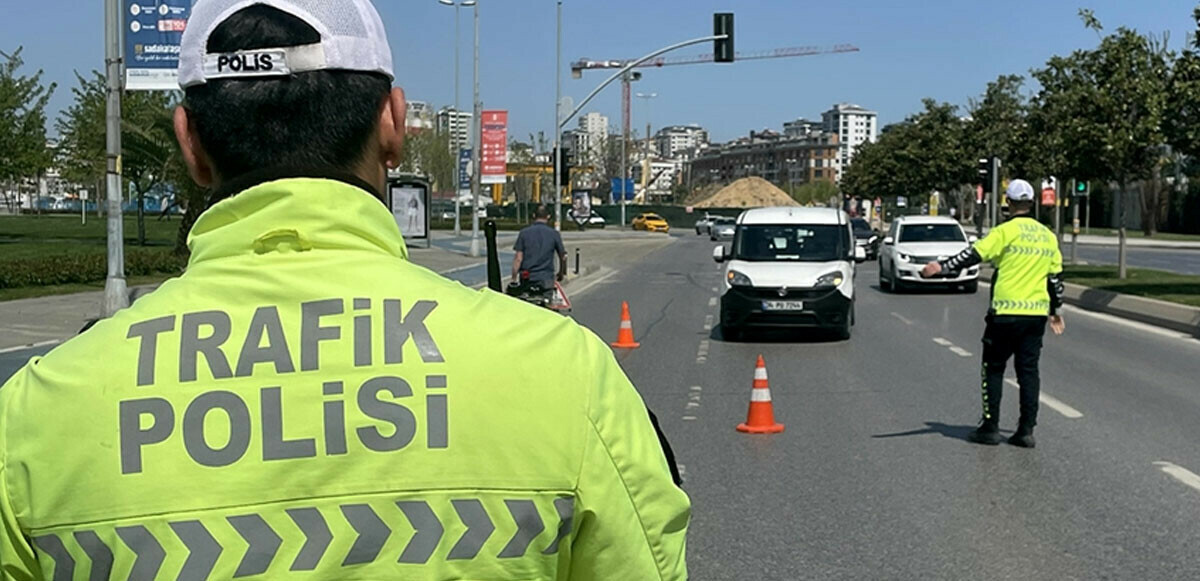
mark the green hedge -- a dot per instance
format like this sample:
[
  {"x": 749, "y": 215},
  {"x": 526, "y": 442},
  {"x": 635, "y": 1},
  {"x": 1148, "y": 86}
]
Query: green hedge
[{"x": 56, "y": 269}]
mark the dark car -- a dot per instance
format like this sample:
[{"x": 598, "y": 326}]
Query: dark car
[{"x": 866, "y": 237}]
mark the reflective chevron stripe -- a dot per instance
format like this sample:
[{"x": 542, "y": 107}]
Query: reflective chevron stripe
[
  {"x": 263, "y": 542},
  {"x": 64, "y": 563}
]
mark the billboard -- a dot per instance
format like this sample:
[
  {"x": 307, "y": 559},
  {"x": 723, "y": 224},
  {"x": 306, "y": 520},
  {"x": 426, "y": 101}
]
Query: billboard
[
  {"x": 464, "y": 170},
  {"x": 494, "y": 150},
  {"x": 409, "y": 201},
  {"x": 153, "y": 31}
]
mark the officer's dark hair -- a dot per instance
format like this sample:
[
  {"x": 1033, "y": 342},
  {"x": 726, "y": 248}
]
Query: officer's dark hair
[
  {"x": 1020, "y": 206},
  {"x": 542, "y": 212},
  {"x": 320, "y": 120}
]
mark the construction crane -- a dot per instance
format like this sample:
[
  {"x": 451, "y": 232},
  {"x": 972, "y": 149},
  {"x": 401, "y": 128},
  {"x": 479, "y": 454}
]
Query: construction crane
[{"x": 581, "y": 65}]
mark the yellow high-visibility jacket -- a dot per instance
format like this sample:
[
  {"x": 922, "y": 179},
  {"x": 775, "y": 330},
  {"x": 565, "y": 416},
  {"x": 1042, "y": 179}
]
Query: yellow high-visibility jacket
[{"x": 305, "y": 403}]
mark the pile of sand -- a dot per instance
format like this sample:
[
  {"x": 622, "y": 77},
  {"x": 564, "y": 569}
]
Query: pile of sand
[{"x": 752, "y": 192}]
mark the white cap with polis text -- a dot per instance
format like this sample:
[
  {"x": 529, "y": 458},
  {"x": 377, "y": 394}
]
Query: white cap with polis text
[
  {"x": 352, "y": 39},
  {"x": 1020, "y": 191}
]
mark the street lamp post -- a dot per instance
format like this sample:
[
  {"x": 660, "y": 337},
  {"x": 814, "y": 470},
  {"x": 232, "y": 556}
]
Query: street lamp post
[
  {"x": 558, "y": 128},
  {"x": 477, "y": 138},
  {"x": 456, "y": 119}
]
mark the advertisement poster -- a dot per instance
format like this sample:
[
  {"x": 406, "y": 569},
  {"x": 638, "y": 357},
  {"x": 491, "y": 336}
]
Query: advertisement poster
[
  {"x": 494, "y": 150},
  {"x": 464, "y": 170},
  {"x": 581, "y": 206},
  {"x": 410, "y": 208},
  {"x": 153, "y": 31}
]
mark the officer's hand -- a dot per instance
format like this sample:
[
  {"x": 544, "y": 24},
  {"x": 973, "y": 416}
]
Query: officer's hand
[
  {"x": 1058, "y": 325},
  {"x": 931, "y": 269}
]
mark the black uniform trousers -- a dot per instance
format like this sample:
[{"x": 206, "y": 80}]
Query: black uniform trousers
[{"x": 1019, "y": 338}]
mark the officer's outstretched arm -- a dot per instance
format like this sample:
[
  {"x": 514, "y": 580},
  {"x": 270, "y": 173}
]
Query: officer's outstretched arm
[{"x": 632, "y": 517}]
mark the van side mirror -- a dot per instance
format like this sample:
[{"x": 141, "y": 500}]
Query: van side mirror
[
  {"x": 888, "y": 241},
  {"x": 719, "y": 254}
]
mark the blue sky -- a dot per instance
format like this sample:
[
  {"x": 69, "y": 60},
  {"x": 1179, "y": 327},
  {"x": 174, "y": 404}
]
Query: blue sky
[{"x": 943, "y": 49}]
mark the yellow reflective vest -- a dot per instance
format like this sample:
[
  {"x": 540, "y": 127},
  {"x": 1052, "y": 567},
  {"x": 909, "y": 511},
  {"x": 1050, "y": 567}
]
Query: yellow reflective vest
[
  {"x": 1024, "y": 253},
  {"x": 306, "y": 403}
]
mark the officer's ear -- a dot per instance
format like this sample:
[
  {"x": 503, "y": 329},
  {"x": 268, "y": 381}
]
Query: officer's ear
[
  {"x": 392, "y": 120},
  {"x": 197, "y": 160}
]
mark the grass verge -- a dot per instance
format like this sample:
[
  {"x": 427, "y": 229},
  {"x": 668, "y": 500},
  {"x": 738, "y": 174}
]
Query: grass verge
[
  {"x": 1153, "y": 284},
  {"x": 1107, "y": 232}
]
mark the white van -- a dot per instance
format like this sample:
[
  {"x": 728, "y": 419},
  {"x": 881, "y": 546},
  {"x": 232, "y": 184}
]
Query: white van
[{"x": 790, "y": 267}]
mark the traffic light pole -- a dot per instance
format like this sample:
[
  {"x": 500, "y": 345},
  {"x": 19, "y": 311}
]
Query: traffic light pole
[
  {"x": 1074, "y": 224},
  {"x": 995, "y": 198}
]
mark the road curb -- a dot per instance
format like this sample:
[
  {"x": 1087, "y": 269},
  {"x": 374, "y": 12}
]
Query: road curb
[
  {"x": 1173, "y": 316},
  {"x": 1164, "y": 314},
  {"x": 1162, "y": 246}
]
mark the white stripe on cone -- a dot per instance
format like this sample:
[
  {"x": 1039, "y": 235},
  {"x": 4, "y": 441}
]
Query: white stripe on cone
[
  {"x": 626, "y": 324},
  {"x": 760, "y": 395},
  {"x": 760, "y": 373}
]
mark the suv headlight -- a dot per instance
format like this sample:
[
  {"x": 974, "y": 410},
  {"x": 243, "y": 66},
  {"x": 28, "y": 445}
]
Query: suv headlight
[
  {"x": 903, "y": 257},
  {"x": 831, "y": 280},
  {"x": 736, "y": 278}
]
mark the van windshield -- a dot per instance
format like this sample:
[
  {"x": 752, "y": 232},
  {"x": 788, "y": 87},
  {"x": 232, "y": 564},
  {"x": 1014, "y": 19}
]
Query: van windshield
[{"x": 800, "y": 243}]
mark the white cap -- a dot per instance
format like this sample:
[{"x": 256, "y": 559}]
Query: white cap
[
  {"x": 352, "y": 39},
  {"x": 1020, "y": 191}
]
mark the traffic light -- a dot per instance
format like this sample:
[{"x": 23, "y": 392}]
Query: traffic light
[
  {"x": 723, "y": 47},
  {"x": 1082, "y": 189},
  {"x": 985, "y": 173},
  {"x": 566, "y": 159}
]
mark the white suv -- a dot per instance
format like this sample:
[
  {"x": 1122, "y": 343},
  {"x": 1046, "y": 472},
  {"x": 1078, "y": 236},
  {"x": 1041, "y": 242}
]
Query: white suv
[
  {"x": 914, "y": 241},
  {"x": 791, "y": 268}
]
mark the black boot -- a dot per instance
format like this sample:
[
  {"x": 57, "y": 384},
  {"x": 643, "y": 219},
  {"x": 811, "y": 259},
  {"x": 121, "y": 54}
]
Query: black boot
[
  {"x": 1023, "y": 437},
  {"x": 987, "y": 434}
]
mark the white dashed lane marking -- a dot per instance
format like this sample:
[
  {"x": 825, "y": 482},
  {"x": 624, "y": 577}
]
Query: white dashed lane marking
[
  {"x": 902, "y": 318},
  {"x": 1187, "y": 477},
  {"x": 1052, "y": 403},
  {"x": 708, "y": 322},
  {"x": 960, "y": 351},
  {"x": 942, "y": 342},
  {"x": 712, "y": 302}
]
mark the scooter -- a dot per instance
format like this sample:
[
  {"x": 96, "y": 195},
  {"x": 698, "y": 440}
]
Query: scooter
[{"x": 554, "y": 299}]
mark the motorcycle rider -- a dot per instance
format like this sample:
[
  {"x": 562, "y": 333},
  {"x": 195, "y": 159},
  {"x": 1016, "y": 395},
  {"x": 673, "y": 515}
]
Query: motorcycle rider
[{"x": 536, "y": 247}]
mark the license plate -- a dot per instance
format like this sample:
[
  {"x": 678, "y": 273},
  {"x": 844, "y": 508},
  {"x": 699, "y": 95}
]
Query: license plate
[{"x": 783, "y": 305}]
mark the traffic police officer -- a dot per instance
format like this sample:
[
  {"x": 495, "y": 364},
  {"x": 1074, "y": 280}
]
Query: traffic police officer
[
  {"x": 1027, "y": 289},
  {"x": 304, "y": 401}
]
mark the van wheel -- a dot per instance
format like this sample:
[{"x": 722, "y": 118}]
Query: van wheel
[
  {"x": 732, "y": 334},
  {"x": 843, "y": 332}
]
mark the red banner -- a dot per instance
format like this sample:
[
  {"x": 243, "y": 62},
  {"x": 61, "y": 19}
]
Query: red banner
[{"x": 494, "y": 162}]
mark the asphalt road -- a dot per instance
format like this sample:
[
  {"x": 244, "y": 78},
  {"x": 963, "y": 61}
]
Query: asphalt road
[
  {"x": 872, "y": 478},
  {"x": 1181, "y": 261}
]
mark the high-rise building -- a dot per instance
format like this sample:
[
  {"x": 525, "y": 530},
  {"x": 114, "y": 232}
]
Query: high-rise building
[
  {"x": 591, "y": 137},
  {"x": 680, "y": 141},
  {"x": 854, "y": 126},
  {"x": 457, "y": 124},
  {"x": 419, "y": 117}
]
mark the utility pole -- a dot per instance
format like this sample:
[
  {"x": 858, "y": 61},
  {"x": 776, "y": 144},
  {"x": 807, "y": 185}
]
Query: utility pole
[
  {"x": 626, "y": 79},
  {"x": 477, "y": 138},
  {"x": 557, "y": 127},
  {"x": 116, "y": 295},
  {"x": 995, "y": 210}
]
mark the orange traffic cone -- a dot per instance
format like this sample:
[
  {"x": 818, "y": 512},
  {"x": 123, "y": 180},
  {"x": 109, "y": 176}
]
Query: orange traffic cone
[
  {"x": 761, "y": 417},
  {"x": 625, "y": 334}
]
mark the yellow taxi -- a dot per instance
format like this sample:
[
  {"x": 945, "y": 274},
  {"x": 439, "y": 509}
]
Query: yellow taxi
[{"x": 651, "y": 223}]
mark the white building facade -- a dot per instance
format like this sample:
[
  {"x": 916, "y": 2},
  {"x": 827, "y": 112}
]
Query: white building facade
[
  {"x": 680, "y": 141},
  {"x": 854, "y": 126},
  {"x": 420, "y": 117},
  {"x": 457, "y": 124}
]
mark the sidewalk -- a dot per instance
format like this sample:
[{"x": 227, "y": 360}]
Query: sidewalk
[{"x": 28, "y": 322}]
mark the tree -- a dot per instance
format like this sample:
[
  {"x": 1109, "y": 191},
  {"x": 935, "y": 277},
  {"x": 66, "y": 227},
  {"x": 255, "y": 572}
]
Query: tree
[
  {"x": 429, "y": 153},
  {"x": 1183, "y": 127},
  {"x": 148, "y": 147},
  {"x": 815, "y": 193},
  {"x": 998, "y": 124},
  {"x": 23, "y": 99}
]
